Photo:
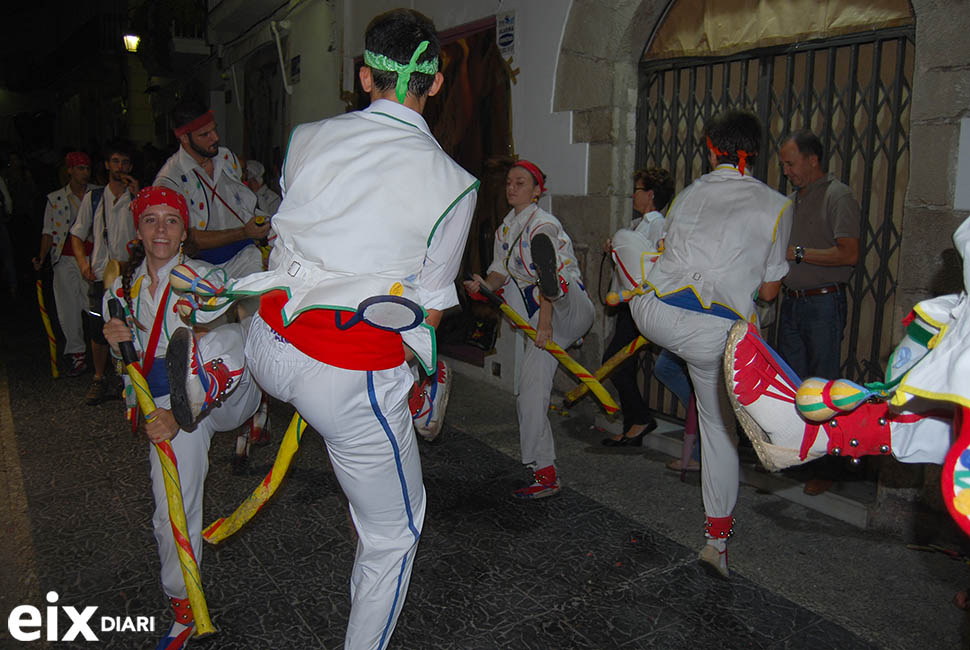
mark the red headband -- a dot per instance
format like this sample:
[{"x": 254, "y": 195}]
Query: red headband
[
  {"x": 76, "y": 158},
  {"x": 195, "y": 124},
  {"x": 154, "y": 195},
  {"x": 720, "y": 153},
  {"x": 536, "y": 174}
]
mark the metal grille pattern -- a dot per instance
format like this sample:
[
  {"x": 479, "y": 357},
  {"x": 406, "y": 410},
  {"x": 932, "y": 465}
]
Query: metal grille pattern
[{"x": 855, "y": 93}]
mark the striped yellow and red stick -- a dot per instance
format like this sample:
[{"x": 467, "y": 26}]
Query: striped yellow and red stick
[
  {"x": 173, "y": 489},
  {"x": 51, "y": 341},
  {"x": 606, "y": 369},
  {"x": 223, "y": 527},
  {"x": 582, "y": 374}
]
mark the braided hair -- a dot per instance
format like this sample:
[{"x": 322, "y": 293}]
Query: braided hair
[{"x": 136, "y": 257}]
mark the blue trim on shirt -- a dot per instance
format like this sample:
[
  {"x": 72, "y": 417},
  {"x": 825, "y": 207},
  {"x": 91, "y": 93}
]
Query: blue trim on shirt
[{"x": 687, "y": 299}]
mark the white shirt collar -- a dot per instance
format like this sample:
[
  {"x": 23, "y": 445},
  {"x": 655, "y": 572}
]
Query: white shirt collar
[
  {"x": 399, "y": 111},
  {"x": 162, "y": 272}
]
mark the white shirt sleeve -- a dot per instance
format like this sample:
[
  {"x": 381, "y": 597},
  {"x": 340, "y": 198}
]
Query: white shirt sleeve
[
  {"x": 498, "y": 256},
  {"x": 777, "y": 266},
  {"x": 165, "y": 181},
  {"x": 436, "y": 280},
  {"x": 85, "y": 217}
]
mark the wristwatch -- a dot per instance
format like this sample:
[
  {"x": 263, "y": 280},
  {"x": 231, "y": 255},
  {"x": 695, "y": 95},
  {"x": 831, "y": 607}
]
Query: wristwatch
[{"x": 799, "y": 254}]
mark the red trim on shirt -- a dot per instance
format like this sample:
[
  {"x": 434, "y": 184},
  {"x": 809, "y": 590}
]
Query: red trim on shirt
[
  {"x": 68, "y": 250},
  {"x": 315, "y": 334}
]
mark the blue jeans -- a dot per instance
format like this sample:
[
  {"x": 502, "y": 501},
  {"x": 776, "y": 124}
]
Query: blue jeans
[
  {"x": 671, "y": 371},
  {"x": 810, "y": 334}
]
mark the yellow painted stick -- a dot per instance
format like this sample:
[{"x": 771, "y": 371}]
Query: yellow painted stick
[
  {"x": 173, "y": 492},
  {"x": 608, "y": 367},
  {"x": 51, "y": 341},
  {"x": 582, "y": 374},
  {"x": 222, "y": 528}
]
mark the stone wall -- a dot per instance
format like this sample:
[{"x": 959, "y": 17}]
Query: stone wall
[{"x": 597, "y": 80}]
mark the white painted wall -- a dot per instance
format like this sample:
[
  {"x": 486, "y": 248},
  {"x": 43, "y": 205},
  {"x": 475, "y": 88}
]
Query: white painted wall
[{"x": 314, "y": 35}]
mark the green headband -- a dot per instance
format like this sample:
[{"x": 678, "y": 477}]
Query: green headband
[{"x": 381, "y": 62}]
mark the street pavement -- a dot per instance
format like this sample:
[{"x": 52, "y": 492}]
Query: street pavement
[{"x": 608, "y": 563}]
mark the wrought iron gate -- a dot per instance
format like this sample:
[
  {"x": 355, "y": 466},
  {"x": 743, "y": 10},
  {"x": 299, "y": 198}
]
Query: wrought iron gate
[{"x": 855, "y": 93}]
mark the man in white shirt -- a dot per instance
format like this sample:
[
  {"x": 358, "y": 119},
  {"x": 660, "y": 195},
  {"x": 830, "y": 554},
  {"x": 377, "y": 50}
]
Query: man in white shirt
[
  {"x": 266, "y": 199},
  {"x": 223, "y": 216},
  {"x": 349, "y": 286},
  {"x": 105, "y": 217},
  {"x": 726, "y": 240},
  {"x": 70, "y": 287}
]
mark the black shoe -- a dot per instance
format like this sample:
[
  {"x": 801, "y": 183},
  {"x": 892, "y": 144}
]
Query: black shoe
[
  {"x": 544, "y": 259},
  {"x": 630, "y": 441}
]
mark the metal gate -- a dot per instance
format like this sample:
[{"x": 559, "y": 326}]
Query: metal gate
[{"x": 855, "y": 93}]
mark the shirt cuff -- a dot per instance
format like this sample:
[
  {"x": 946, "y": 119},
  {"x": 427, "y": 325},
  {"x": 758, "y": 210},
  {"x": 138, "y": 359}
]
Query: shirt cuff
[
  {"x": 776, "y": 272},
  {"x": 440, "y": 299}
]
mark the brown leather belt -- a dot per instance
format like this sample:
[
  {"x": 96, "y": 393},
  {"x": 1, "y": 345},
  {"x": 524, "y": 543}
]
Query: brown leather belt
[{"x": 815, "y": 291}]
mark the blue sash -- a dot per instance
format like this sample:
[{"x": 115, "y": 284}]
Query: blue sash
[
  {"x": 157, "y": 378},
  {"x": 223, "y": 254}
]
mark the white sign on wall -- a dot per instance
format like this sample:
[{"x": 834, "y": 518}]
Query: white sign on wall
[{"x": 505, "y": 33}]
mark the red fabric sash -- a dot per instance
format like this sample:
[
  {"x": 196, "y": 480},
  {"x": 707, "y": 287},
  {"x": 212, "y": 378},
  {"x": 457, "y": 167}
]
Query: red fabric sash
[
  {"x": 149, "y": 358},
  {"x": 315, "y": 334},
  {"x": 68, "y": 250}
]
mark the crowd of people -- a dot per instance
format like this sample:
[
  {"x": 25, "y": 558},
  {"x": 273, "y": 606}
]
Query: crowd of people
[{"x": 326, "y": 304}]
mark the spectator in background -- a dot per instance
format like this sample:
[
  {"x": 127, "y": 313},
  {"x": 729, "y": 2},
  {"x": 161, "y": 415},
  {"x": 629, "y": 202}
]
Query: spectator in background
[
  {"x": 652, "y": 191},
  {"x": 823, "y": 249},
  {"x": 266, "y": 199},
  {"x": 222, "y": 210},
  {"x": 104, "y": 217},
  {"x": 70, "y": 287}
]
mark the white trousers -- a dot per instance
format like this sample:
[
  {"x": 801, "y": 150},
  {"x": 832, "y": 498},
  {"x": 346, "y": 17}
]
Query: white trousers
[
  {"x": 365, "y": 422},
  {"x": 572, "y": 316},
  {"x": 70, "y": 297},
  {"x": 699, "y": 340},
  {"x": 192, "y": 453}
]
